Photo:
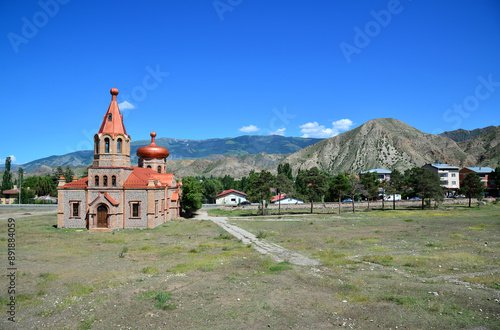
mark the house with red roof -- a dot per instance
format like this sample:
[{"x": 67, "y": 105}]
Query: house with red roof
[
  {"x": 9, "y": 196},
  {"x": 284, "y": 199},
  {"x": 116, "y": 195},
  {"x": 230, "y": 197}
]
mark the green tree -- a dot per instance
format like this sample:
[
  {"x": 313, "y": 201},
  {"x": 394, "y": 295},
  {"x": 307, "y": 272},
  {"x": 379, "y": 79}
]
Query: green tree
[
  {"x": 299, "y": 185},
  {"x": 472, "y": 187},
  {"x": 496, "y": 178},
  {"x": 57, "y": 174},
  {"x": 283, "y": 185},
  {"x": 259, "y": 187},
  {"x": 370, "y": 181},
  {"x": 286, "y": 169},
  {"x": 316, "y": 184},
  {"x": 41, "y": 185},
  {"x": 191, "y": 195},
  {"x": 27, "y": 196},
  {"x": 20, "y": 174},
  {"x": 395, "y": 185},
  {"x": 383, "y": 186},
  {"x": 211, "y": 188},
  {"x": 227, "y": 182},
  {"x": 7, "y": 176},
  {"x": 425, "y": 184},
  {"x": 339, "y": 186},
  {"x": 68, "y": 174},
  {"x": 243, "y": 184},
  {"x": 354, "y": 188}
]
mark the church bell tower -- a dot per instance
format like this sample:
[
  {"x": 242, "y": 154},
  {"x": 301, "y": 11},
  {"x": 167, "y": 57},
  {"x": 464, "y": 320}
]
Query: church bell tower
[{"x": 111, "y": 143}]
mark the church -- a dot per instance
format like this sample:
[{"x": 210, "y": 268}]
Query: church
[{"x": 116, "y": 195}]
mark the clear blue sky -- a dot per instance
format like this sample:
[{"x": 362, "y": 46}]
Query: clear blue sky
[{"x": 214, "y": 69}]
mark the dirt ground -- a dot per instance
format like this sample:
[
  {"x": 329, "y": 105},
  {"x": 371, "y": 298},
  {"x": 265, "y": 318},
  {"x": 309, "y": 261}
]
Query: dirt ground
[{"x": 410, "y": 269}]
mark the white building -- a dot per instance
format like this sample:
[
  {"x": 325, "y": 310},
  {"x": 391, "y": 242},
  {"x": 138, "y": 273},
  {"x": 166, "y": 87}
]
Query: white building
[
  {"x": 448, "y": 174},
  {"x": 283, "y": 199},
  {"x": 230, "y": 197}
]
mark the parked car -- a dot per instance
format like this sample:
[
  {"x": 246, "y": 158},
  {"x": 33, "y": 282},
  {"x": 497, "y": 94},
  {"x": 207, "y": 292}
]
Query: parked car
[
  {"x": 391, "y": 197},
  {"x": 347, "y": 200},
  {"x": 415, "y": 198},
  {"x": 490, "y": 197},
  {"x": 460, "y": 196},
  {"x": 245, "y": 203}
]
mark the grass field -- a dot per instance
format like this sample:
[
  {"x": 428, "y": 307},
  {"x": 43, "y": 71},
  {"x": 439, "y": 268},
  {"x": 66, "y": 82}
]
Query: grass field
[{"x": 411, "y": 269}]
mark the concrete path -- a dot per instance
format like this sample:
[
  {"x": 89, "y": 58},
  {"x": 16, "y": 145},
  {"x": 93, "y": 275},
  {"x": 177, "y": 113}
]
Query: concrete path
[
  {"x": 16, "y": 214},
  {"x": 277, "y": 252}
]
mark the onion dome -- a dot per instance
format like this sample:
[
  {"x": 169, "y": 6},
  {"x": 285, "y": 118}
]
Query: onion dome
[{"x": 152, "y": 150}]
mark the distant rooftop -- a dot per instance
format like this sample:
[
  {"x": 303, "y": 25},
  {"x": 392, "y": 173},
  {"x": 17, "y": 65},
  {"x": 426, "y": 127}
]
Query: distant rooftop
[
  {"x": 481, "y": 169},
  {"x": 445, "y": 167},
  {"x": 378, "y": 171}
]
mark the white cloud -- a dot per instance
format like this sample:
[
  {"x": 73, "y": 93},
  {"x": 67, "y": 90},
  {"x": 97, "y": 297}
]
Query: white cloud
[
  {"x": 315, "y": 130},
  {"x": 125, "y": 105},
  {"x": 12, "y": 160},
  {"x": 342, "y": 124},
  {"x": 249, "y": 129},
  {"x": 280, "y": 131}
]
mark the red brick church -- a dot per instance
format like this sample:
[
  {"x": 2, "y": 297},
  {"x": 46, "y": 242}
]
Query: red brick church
[{"x": 116, "y": 195}]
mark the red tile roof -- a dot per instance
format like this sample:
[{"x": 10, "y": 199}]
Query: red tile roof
[
  {"x": 111, "y": 200},
  {"x": 81, "y": 183},
  {"x": 230, "y": 191},
  {"x": 10, "y": 192},
  {"x": 277, "y": 198},
  {"x": 140, "y": 177},
  {"x": 114, "y": 126}
]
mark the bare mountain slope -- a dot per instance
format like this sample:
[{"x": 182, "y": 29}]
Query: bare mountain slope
[
  {"x": 384, "y": 143},
  {"x": 484, "y": 148}
]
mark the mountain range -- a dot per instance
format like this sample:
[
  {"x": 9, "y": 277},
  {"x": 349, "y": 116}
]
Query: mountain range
[
  {"x": 460, "y": 135},
  {"x": 379, "y": 143},
  {"x": 250, "y": 151}
]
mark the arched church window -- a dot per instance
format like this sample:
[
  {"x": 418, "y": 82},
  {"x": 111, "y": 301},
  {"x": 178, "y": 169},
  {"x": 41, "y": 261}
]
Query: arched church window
[
  {"x": 159, "y": 169},
  {"x": 105, "y": 181},
  {"x": 149, "y": 166},
  {"x": 106, "y": 142},
  {"x": 96, "y": 180},
  {"x": 113, "y": 180},
  {"x": 119, "y": 146},
  {"x": 110, "y": 117}
]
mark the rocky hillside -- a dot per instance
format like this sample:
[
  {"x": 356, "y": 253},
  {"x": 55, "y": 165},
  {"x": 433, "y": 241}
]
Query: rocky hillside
[
  {"x": 484, "y": 148},
  {"x": 460, "y": 135},
  {"x": 220, "y": 165},
  {"x": 384, "y": 143}
]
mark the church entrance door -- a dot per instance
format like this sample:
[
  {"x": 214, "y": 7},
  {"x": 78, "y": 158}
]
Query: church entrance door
[{"x": 102, "y": 216}]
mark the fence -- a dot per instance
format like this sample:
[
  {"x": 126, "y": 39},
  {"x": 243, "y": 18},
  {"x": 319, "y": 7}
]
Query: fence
[{"x": 357, "y": 205}]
